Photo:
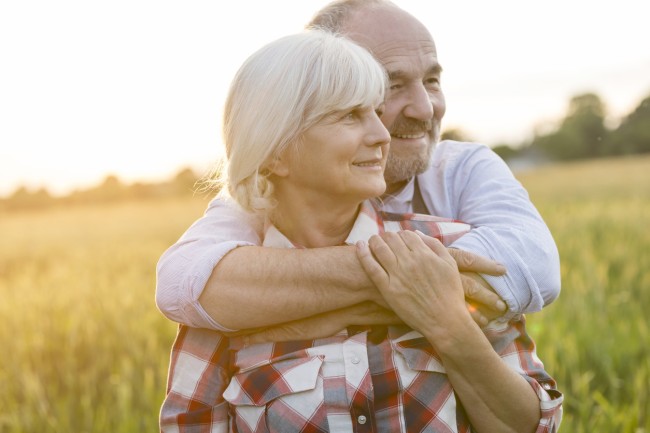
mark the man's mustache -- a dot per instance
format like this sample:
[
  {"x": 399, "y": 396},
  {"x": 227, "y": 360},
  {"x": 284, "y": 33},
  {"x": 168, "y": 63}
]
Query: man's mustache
[{"x": 405, "y": 126}]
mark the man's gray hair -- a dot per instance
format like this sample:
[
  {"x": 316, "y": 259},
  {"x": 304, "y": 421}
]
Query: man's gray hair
[{"x": 333, "y": 16}]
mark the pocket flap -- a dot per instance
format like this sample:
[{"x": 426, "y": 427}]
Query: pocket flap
[
  {"x": 259, "y": 386},
  {"x": 418, "y": 353}
]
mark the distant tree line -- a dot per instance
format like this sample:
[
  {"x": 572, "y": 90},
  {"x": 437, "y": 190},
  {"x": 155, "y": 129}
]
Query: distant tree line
[
  {"x": 184, "y": 184},
  {"x": 583, "y": 133}
]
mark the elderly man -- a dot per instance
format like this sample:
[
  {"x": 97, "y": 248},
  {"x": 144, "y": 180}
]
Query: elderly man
[{"x": 217, "y": 277}]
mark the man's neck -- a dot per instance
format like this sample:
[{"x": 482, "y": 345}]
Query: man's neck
[{"x": 393, "y": 188}]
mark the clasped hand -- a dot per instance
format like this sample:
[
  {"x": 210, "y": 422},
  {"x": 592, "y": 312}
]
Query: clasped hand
[
  {"x": 424, "y": 263},
  {"x": 416, "y": 273}
]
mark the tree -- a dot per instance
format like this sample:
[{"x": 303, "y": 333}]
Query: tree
[
  {"x": 455, "y": 134},
  {"x": 185, "y": 181},
  {"x": 110, "y": 189},
  {"x": 582, "y": 133},
  {"x": 633, "y": 134},
  {"x": 23, "y": 198},
  {"x": 505, "y": 151}
]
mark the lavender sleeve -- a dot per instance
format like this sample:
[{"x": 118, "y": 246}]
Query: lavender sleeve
[{"x": 184, "y": 268}]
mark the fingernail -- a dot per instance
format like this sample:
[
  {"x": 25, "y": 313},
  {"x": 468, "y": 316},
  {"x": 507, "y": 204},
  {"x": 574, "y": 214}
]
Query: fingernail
[
  {"x": 501, "y": 306},
  {"x": 361, "y": 244},
  {"x": 500, "y": 268}
]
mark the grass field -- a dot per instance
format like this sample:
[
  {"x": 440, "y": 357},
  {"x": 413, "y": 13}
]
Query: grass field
[{"x": 85, "y": 349}]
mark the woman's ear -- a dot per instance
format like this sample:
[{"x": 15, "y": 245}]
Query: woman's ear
[{"x": 279, "y": 166}]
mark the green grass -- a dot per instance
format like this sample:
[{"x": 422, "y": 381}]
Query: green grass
[
  {"x": 595, "y": 339},
  {"x": 85, "y": 349}
]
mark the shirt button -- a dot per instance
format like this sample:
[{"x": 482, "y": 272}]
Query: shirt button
[
  {"x": 362, "y": 419},
  {"x": 355, "y": 360}
]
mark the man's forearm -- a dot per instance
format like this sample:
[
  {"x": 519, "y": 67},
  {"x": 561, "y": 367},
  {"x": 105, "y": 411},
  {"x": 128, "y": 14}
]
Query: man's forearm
[
  {"x": 258, "y": 286},
  {"x": 322, "y": 325}
]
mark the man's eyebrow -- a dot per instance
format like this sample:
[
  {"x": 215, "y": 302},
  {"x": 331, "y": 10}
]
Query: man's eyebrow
[
  {"x": 436, "y": 69},
  {"x": 399, "y": 73}
]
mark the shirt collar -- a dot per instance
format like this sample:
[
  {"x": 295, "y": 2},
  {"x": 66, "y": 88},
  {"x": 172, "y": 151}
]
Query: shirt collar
[{"x": 402, "y": 200}]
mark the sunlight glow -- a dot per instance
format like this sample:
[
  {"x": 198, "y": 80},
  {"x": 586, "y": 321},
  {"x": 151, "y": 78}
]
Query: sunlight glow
[{"x": 135, "y": 88}]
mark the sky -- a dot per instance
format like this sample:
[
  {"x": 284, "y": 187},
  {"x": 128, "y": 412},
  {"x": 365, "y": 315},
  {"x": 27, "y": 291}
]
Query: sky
[{"x": 135, "y": 88}]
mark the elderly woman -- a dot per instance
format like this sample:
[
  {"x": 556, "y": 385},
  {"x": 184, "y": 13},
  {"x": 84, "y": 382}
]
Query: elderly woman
[{"x": 306, "y": 148}]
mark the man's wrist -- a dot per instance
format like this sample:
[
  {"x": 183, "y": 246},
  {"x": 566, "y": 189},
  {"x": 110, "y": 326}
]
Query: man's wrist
[{"x": 363, "y": 283}]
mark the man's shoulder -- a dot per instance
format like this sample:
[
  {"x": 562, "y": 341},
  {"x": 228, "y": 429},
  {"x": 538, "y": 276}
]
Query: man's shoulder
[
  {"x": 225, "y": 211},
  {"x": 224, "y": 204},
  {"x": 453, "y": 149},
  {"x": 449, "y": 155}
]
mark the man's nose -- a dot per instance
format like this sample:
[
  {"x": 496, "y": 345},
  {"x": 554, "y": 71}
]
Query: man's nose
[{"x": 420, "y": 103}]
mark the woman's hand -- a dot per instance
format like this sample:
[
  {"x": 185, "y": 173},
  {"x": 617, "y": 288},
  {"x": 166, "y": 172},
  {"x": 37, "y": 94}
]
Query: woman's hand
[{"x": 419, "y": 281}]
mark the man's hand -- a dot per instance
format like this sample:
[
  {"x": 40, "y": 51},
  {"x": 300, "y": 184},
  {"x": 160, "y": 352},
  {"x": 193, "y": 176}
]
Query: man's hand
[
  {"x": 482, "y": 302},
  {"x": 322, "y": 325},
  {"x": 469, "y": 262}
]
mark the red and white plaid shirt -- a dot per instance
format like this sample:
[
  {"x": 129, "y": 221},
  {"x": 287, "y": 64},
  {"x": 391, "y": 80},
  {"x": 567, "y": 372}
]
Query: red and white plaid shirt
[{"x": 364, "y": 379}]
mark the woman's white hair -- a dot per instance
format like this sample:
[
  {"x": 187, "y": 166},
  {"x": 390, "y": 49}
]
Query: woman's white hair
[{"x": 278, "y": 93}]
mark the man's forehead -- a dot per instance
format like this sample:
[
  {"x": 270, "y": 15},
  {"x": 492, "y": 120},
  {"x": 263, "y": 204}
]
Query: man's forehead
[
  {"x": 372, "y": 20},
  {"x": 392, "y": 36}
]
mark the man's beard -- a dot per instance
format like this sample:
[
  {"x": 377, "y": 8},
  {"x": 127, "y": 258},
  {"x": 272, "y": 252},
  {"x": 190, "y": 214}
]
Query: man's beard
[
  {"x": 400, "y": 168},
  {"x": 403, "y": 167}
]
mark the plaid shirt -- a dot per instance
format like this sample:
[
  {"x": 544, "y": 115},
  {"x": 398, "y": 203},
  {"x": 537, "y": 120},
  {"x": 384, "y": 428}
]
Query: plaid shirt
[{"x": 364, "y": 379}]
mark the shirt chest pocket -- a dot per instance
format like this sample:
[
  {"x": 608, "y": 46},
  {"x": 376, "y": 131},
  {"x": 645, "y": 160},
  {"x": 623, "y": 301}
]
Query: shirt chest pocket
[
  {"x": 426, "y": 389},
  {"x": 277, "y": 397},
  {"x": 415, "y": 358}
]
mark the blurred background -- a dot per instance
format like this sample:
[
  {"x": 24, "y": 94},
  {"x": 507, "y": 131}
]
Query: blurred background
[
  {"x": 110, "y": 113},
  {"x": 135, "y": 88}
]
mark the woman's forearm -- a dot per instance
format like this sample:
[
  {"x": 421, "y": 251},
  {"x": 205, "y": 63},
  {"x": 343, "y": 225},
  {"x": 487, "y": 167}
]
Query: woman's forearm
[{"x": 495, "y": 397}]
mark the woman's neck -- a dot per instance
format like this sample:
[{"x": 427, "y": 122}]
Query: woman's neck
[{"x": 314, "y": 222}]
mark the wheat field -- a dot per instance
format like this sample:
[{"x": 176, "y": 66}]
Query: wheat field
[{"x": 86, "y": 350}]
